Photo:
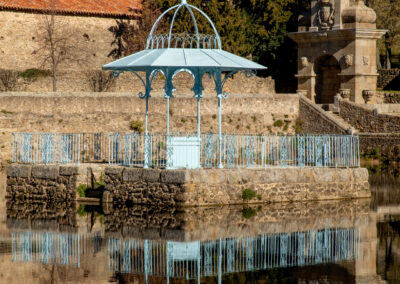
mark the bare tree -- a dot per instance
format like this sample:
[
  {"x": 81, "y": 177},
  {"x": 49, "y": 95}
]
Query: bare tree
[
  {"x": 58, "y": 43},
  {"x": 131, "y": 36}
]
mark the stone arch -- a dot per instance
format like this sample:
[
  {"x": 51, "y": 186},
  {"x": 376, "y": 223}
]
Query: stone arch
[{"x": 327, "y": 81}]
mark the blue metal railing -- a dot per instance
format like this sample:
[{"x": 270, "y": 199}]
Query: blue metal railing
[{"x": 177, "y": 151}]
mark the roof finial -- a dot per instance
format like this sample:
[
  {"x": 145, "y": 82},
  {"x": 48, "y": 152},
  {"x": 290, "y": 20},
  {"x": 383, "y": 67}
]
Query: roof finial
[{"x": 183, "y": 2}]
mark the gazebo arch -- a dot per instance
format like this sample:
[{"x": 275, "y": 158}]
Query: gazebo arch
[{"x": 196, "y": 54}]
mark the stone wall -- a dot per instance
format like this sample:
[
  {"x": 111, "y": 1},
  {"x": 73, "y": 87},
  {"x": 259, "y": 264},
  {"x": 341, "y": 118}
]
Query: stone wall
[
  {"x": 41, "y": 182},
  {"x": 387, "y": 77},
  {"x": 80, "y": 81},
  {"x": 316, "y": 121},
  {"x": 388, "y": 144},
  {"x": 19, "y": 39},
  {"x": 388, "y": 97},
  {"x": 216, "y": 186},
  {"x": 111, "y": 112},
  {"x": 365, "y": 119}
]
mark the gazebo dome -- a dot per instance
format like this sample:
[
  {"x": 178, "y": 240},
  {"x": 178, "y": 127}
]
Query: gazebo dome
[{"x": 183, "y": 50}]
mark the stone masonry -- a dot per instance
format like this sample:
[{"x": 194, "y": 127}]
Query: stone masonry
[
  {"x": 41, "y": 182},
  {"x": 218, "y": 186}
]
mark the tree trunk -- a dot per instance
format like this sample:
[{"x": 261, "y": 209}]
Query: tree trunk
[
  {"x": 388, "y": 62},
  {"x": 54, "y": 79},
  {"x": 378, "y": 59}
]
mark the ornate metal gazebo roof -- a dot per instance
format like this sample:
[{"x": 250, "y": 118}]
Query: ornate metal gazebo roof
[{"x": 197, "y": 54}]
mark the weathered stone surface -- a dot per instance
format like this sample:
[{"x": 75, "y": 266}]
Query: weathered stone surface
[
  {"x": 214, "y": 186},
  {"x": 151, "y": 175},
  {"x": 114, "y": 170},
  {"x": 324, "y": 174},
  {"x": 132, "y": 174},
  {"x": 174, "y": 176},
  {"x": 360, "y": 174},
  {"x": 15, "y": 170},
  {"x": 45, "y": 171},
  {"x": 69, "y": 170}
]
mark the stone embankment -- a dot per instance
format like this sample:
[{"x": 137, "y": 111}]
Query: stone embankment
[
  {"x": 41, "y": 182},
  {"x": 202, "y": 187},
  {"x": 215, "y": 186}
]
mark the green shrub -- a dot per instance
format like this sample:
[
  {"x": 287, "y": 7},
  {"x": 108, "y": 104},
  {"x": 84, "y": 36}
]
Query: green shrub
[
  {"x": 214, "y": 116},
  {"x": 137, "y": 126},
  {"x": 248, "y": 213},
  {"x": 286, "y": 127},
  {"x": 82, "y": 190},
  {"x": 278, "y": 123},
  {"x": 171, "y": 112},
  {"x": 33, "y": 74},
  {"x": 254, "y": 118},
  {"x": 298, "y": 126},
  {"x": 81, "y": 210},
  {"x": 6, "y": 111},
  {"x": 183, "y": 120},
  {"x": 248, "y": 194},
  {"x": 259, "y": 197}
]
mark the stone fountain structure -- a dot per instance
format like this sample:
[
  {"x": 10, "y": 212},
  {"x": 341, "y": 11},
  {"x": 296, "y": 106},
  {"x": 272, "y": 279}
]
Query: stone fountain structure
[{"x": 337, "y": 50}]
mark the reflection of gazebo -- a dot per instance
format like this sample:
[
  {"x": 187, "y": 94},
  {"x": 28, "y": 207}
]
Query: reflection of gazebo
[{"x": 196, "y": 54}]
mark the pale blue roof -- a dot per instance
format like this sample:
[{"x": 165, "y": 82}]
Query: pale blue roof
[{"x": 182, "y": 58}]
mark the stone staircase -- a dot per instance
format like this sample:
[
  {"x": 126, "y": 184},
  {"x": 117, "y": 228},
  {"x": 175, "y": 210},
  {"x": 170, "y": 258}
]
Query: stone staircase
[{"x": 337, "y": 117}]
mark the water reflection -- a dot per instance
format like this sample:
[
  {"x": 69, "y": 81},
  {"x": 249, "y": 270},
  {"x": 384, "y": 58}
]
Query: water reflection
[{"x": 196, "y": 244}]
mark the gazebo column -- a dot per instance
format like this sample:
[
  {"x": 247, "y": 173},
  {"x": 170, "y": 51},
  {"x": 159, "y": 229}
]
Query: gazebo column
[
  {"x": 147, "y": 146},
  {"x": 218, "y": 88},
  {"x": 168, "y": 90},
  {"x": 198, "y": 94}
]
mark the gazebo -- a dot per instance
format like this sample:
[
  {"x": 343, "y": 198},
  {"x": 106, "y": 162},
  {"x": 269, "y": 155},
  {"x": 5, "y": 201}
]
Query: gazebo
[{"x": 196, "y": 54}]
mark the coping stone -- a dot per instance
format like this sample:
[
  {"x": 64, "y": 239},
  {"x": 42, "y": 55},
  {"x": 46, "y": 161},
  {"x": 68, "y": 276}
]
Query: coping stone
[
  {"x": 324, "y": 175},
  {"x": 45, "y": 171},
  {"x": 16, "y": 170},
  {"x": 113, "y": 170},
  {"x": 151, "y": 175},
  {"x": 68, "y": 170},
  {"x": 173, "y": 176},
  {"x": 132, "y": 174}
]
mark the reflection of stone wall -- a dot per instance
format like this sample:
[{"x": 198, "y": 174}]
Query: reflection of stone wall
[
  {"x": 40, "y": 182},
  {"x": 216, "y": 186},
  {"x": 208, "y": 223},
  {"x": 41, "y": 215}
]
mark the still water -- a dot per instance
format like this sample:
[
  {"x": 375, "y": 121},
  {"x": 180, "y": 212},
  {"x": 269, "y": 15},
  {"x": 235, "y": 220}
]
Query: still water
[{"x": 318, "y": 242}]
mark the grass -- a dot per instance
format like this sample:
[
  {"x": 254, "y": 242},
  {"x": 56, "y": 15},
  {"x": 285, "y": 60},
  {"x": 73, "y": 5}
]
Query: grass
[
  {"x": 6, "y": 112},
  {"x": 298, "y": 126},
  {"x": 248, "y": 194},
  {"x": 183, "y": 120},
  {"x": 137, "y": 126},
  {"x": 278, "y": 123},
  {"x": 82, "y": 190},
  {"x": 214, "y": 116}
]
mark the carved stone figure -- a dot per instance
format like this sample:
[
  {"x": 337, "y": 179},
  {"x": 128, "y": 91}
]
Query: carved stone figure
[
  {"x": 347, "y": 61},
  {"x": 325, "y": 15},
  {"x": 304, "y": 61}
]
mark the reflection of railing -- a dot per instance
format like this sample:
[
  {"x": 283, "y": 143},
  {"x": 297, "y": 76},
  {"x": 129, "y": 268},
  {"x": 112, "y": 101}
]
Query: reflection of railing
[
  {"x": 237, "y": 151},
  {"x": 190, "y": 260},
  {"x": 54, "y": 248}
]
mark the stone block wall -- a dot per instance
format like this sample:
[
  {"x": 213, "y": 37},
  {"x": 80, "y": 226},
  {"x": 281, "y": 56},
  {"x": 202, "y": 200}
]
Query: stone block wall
[
  {"x": 386, "y": 77},
  {"x": 41, "y": 182},
  {"x": 365, "y": 119},
  {"x": 388, "y": 144},
  {"x": 215, "y": 186},
  {"x": 316, "y": 121}
]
